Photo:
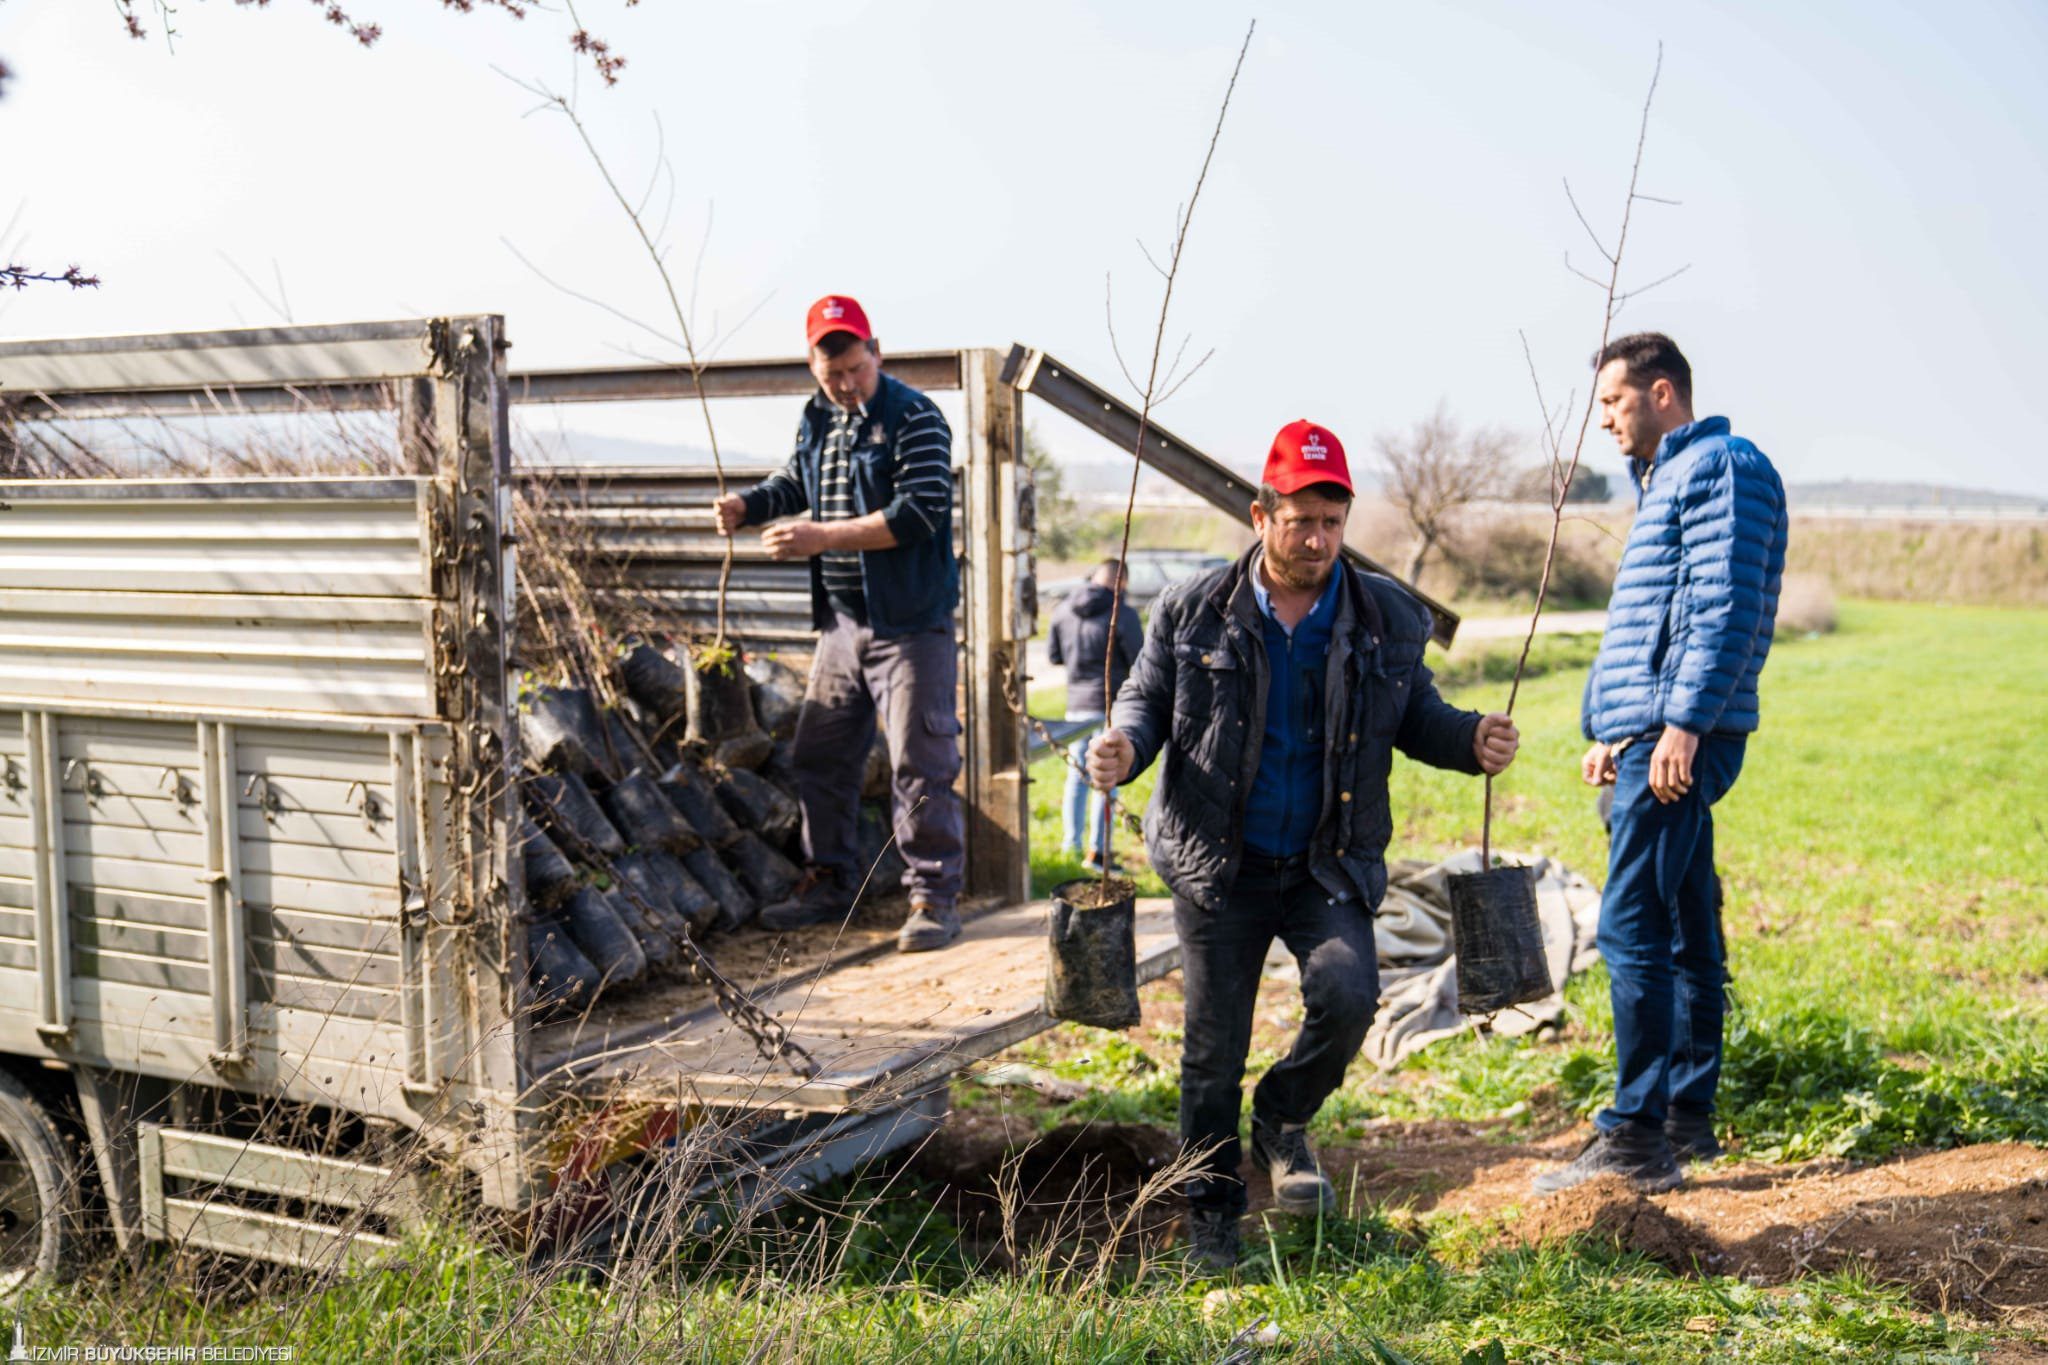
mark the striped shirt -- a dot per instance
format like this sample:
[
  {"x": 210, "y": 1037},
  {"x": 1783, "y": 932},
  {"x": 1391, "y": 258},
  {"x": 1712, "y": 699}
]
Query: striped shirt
[
  {"x": 919, "y": 474},
  {"x": 835, "y": 503}
]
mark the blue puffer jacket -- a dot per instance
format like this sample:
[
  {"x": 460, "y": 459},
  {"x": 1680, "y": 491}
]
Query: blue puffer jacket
[{"x": 1696, "y": 595}]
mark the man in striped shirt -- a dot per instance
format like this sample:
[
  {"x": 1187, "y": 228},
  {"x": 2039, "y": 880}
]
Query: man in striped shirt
[{"x": 873, "y": 468}]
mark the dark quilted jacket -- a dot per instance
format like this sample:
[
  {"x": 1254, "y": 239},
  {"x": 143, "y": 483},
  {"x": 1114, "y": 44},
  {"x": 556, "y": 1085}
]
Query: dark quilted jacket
[
  {"x": 1696, "y": 595},
  {"x": 1197, "y": 701}
]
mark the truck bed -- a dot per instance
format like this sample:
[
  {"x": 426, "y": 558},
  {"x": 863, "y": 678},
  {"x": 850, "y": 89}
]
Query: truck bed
[{"x": 879, "y": 1024}]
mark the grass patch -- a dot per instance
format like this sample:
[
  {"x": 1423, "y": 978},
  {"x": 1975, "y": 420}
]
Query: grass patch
[
  {"x": 1889, "y": 941},
  {"x": 1883, "y": 853},
  {"x": 1350, "y": 1288}
]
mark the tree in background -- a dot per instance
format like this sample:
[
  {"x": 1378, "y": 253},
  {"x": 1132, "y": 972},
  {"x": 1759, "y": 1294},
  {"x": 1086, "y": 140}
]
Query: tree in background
[
  {"x": 1059, "y": 516},
  {"x": 1433, "y": 471},
  {"x": 1540, "y": 485}
]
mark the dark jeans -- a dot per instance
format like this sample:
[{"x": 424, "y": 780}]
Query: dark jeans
[
  {"x": 1221, "y": 957},
  {"x": 910, "y": 680},
  {"x": 1660, "y": 932}
]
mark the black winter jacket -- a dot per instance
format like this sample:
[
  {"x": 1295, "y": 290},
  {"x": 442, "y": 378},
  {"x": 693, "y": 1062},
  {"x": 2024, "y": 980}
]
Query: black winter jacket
[
  {"x": 1080, "y": 639},
  {"x": 1198, "y": 698}
]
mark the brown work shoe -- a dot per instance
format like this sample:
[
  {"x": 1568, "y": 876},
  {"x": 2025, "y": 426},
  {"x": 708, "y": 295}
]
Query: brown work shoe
[
  {"x": 817, "y": 899},
  {"x": 929, "y": 926}
]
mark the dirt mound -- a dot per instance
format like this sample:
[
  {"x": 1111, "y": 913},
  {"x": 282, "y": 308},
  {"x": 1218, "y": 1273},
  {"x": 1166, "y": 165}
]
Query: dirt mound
[
  {"x": 1963, "y": 1230},
  {"x": 1607, "y": 1210}
]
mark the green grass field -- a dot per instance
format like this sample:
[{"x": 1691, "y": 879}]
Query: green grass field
[{"x": 1884, "y": 855}]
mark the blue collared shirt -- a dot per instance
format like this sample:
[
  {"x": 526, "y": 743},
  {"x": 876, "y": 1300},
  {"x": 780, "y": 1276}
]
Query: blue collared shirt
[{"x": 1286, "y": 799}]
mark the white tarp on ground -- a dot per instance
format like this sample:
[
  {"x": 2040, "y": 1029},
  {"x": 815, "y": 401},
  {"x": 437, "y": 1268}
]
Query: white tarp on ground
[{"x": 1419, "y": 972}]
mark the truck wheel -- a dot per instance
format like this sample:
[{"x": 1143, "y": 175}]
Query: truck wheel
[{"x": 40, "y": 1224}]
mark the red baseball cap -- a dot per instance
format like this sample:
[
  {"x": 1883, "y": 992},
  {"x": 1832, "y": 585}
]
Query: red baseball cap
[
  {"x": 836, "y": 313},
  {"x": 1304, "y": 453}
]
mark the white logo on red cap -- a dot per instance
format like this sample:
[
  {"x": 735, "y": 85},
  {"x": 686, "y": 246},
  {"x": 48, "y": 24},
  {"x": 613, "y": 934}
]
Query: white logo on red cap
[
  {"x": 1313, "y": 448},
  {"x": 834, "y": 310}
]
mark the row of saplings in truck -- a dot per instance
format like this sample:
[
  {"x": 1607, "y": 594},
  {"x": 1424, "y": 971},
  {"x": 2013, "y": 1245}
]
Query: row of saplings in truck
[{"x": 668, "y": 818}]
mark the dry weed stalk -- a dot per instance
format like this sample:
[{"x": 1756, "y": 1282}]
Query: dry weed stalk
[{"x": 1563, "y": 471}]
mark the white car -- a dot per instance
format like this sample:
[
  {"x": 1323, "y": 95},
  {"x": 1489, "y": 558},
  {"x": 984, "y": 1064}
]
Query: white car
[{"x": 1149, "y": 573}]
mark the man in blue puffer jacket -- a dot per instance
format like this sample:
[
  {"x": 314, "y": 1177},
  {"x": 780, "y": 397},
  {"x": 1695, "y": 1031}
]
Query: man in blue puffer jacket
[{"x": 1669, "y": 706}]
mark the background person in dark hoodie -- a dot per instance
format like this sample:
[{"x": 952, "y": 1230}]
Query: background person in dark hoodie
[{"x": 1080, "y": 641}]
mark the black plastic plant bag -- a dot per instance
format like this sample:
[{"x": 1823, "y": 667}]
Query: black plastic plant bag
[
  {"x": 1498, "y": 938},
  {"x": 1091, "y": 968},
  {"x": 644, "y": 917},
  {"x": 759, "y": 805},
  {"x": 654, "y": 681},
  {"x": 722, "y": 714},
  {"x": 735, "y": 906},
  {"x": 645, "y": 885},
  {"x": 646, "y": 817},
  {"x": 604, "y": 938},
  {"x": 696, "y": 905},
  {"x": 550, "y": 876},
  {"x": 562, "y": 732},
  {"x": 628, "y": 751},
  {"x": 768, "y": 876},
  {"x": 561, "y": 978},
  {"x": 690, "y": 792},
  {"x": 563, "y": 805},
  {"x": 778, "y": 693}
]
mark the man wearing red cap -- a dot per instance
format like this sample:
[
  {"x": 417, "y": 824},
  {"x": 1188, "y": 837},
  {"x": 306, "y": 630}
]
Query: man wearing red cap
[
  {"x": 1274, "y": 693},
  {"x": 873, "y": 468}
]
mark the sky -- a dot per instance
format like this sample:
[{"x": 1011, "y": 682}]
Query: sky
[{"x": 1860, "y": 185}]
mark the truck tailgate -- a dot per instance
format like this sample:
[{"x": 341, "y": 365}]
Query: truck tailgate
[{"x": 878, "y": 1027}]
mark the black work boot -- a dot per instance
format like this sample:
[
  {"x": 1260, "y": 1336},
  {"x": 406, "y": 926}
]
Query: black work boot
[
  {"x": 817, "y": 899},
  {"x": 1691, "y": 1135},
  {"x": 1283, "y": 1154},
  {"x": 929, "y": 926},
  {"x": 1638, "y": 1153},
  {"x": 1214, "y": 1242}
]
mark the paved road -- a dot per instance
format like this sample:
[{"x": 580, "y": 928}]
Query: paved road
[{"x": 1045, "y": 673}]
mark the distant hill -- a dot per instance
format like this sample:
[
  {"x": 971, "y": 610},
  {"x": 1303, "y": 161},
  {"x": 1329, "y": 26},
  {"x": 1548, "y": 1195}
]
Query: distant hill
[{"x": 1871, "y": 493}]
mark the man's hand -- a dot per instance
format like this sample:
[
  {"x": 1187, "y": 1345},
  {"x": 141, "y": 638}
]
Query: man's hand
[
  {"x": 1671, "y": 764},
  {"x": 1494, "y": 744},
  {"x": 730, "y": 512},
  {"x": 1110, "y": 756},
  {"x": 794, "y": 539},
  {"x": 1597, "y": 767}
]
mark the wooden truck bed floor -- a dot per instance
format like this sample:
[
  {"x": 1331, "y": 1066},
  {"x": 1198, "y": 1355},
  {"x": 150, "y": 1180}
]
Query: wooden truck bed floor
[{"x": 880, "y": 1025}]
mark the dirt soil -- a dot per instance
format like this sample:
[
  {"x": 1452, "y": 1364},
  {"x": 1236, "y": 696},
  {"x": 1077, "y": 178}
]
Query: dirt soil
[{"x": 1965, "y": 1231}]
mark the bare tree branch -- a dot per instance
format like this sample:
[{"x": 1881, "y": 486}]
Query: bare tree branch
[
  {"x": 1109, "y": 317},
  {"x": 690, "y": 351},
  {"x": 1181, "y": 382},
  {"x": 1625, "y": 296},
  {"x": 1563, "y": 490},
  {"x": 20, "y": 277},
  {"x": 592, "y": 300},
  {"x": 1593, "y": 280},
  {"x": 1598, "y": 246},
  {"x": 1150, "y": 392}
]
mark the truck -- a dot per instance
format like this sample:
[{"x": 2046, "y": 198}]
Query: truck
[{"x": 263, "y": 983}]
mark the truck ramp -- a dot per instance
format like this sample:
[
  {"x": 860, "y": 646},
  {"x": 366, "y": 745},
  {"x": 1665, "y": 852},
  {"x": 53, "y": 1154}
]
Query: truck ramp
[{"x": 880, "y": 1027}]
